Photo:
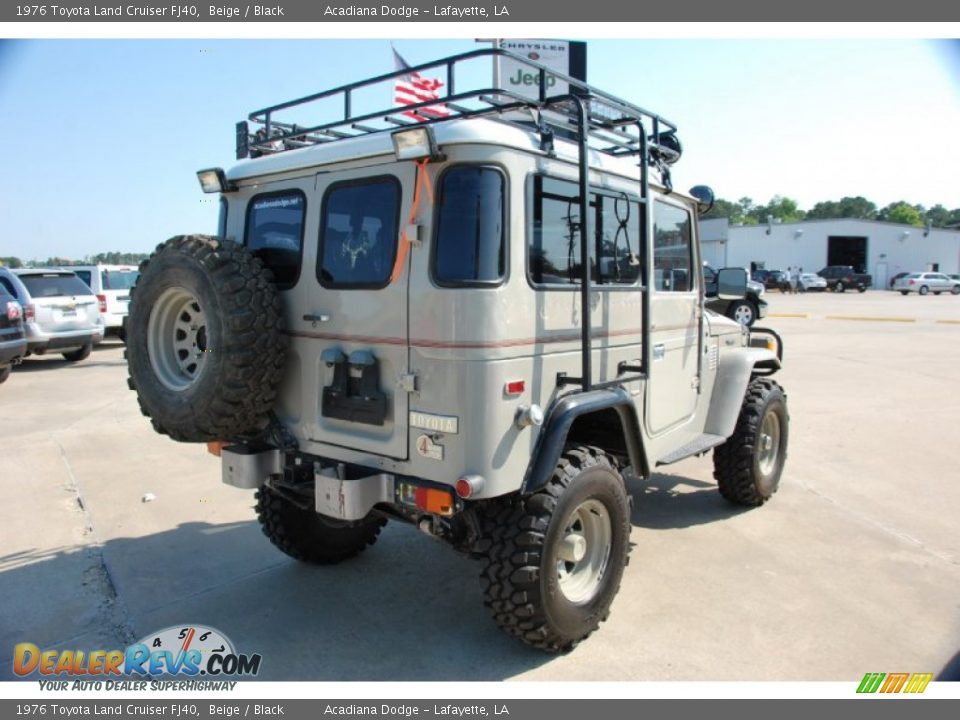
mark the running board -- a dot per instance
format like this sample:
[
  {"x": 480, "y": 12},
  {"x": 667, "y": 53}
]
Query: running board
[{"x": 697, "y": 446}]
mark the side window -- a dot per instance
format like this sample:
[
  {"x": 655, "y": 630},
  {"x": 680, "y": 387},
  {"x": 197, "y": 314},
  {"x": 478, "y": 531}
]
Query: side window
[
  {"x": 617, "y": 224},
  {"x": 8, "y": 285},
  {"x": 359, "y": 232},
  {"x": 470, "y": 246},
  {"x": 554, "y": 252},
  {"x": 84, "y": 275},
  {"x": 672, "y": 251},
  {"x": 274, "y": 233}
]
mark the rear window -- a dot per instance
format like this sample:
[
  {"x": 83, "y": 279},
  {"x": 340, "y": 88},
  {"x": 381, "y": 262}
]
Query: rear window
[
  {"x": 274, "y": 233},
  {"x": 359, "y": 233},
  {"x": 470, "y": 248},
  {"x": 54, "y": 285},
  {"x": 119, "y": 279}
]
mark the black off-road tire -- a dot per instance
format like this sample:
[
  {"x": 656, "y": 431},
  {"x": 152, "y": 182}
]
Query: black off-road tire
[
  {"x": 521, "y": 537},
  {"x": 742, "y": 466},
  {"x": 5, "y": 373},
  {"x": 304, "y": 535},
  {"x": 226, "y": 383},
  {"x": 79, "y": 354}
]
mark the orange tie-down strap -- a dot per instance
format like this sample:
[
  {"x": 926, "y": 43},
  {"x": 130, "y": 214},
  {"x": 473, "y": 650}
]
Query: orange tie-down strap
[{"x": 423, "y": 180}]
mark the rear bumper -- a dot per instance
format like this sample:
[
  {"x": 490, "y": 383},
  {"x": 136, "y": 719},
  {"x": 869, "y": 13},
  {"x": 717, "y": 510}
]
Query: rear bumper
[
  {"x": 41, "y": 342},
  {"x": 113, "y": 320},
  {"x": 11, "y": 350},
  {"x": 343, "y": 499}
]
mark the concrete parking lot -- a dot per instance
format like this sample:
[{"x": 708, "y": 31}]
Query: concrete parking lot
[{"x": 854, "y": 566}]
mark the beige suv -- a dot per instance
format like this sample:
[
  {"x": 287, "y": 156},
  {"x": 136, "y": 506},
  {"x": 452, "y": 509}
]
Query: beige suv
[{"x": 488, "y": 329}]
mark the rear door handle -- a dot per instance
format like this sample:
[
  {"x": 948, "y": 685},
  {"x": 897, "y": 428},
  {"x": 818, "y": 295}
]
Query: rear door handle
[
  {"x": 316, "y": 318},
  {"x": 658, "y": 352}
]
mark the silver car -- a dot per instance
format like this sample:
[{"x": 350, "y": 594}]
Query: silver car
[
  {"x": 927, "y": 282},
  {"x": 60, "y": 312},
  {"x": 812, "y": 282}
]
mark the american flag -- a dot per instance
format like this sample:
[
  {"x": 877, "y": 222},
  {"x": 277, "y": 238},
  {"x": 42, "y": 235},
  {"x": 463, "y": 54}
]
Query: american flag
[{"x": 413, "y": 88}]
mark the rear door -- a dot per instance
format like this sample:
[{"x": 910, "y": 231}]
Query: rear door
[
  {"x": 61, "y": 301},
  {"x": 357, "y": 318}
]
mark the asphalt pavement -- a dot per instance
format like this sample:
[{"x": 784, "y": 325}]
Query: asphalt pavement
[{"x": 111, "y": 532}]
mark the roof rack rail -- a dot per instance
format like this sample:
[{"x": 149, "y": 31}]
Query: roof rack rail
[
  {"x": 614, "y": 126},
  {"x": 593, "y": 119}
]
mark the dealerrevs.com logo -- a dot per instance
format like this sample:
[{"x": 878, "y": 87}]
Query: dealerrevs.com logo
[{"x": 181, "y": 650}]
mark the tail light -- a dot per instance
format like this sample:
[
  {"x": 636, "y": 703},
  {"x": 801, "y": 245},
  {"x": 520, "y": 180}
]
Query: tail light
[
  {"x": 13, "y": 311},
  {"x": 103, "y": 303},
  {"x": 913, "y": 282},
  {"x": 29, "y": 313}
]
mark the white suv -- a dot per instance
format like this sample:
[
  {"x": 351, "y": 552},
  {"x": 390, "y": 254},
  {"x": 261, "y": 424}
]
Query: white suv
[
  {"x": 111, "y": 284},
  {"x": 59, "y": 312}
]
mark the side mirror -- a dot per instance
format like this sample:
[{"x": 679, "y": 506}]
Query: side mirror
[
  {"x": 731, "y": 283},
  {"x": 705, "y": 198}
]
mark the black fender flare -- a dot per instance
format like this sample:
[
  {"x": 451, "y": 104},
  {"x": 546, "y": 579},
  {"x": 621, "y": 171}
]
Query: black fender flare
[{"x": 553, "y": 437}]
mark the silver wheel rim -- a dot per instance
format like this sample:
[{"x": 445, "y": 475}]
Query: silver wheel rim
[
  {"x": 769, "y": 443},
  {"x": 177, "y": 339},
  {"x": 743, "y": 314},
  {"x": 584, "y": 551}
]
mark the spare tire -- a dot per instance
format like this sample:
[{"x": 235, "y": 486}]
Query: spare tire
[{"x": 205, "y": 344}]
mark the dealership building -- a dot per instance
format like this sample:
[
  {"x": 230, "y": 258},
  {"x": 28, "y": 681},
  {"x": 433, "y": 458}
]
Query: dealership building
[{"x": 879, "y": 248}]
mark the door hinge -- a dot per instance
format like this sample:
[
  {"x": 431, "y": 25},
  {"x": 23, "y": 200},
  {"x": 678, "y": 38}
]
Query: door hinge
[{"x": 408, "y": 382}]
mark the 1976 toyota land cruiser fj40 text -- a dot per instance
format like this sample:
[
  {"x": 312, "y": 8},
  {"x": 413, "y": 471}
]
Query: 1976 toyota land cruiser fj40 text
[{"x": 472, "y": 314}]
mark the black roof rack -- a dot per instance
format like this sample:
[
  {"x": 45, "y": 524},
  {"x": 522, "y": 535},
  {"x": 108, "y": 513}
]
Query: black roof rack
[
  {"x": 590, "y": 117},
  {"x": 614, "y": 126}
]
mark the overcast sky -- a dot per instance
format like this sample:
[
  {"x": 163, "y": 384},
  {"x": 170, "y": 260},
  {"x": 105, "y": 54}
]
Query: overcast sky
[{"x": 103, "y": 137}]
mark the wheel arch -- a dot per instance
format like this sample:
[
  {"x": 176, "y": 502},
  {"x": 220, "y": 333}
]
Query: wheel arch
[
  {"x": 605, "y": 418},
  {"x": 734, "y": 373}
]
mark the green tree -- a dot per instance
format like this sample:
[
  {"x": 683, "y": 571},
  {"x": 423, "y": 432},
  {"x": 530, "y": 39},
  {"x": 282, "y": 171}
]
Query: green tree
[
  {"x": 780, "y": 208},
  {"x": 902, "y": 212},
  {"x": 847, "y": 207},
  {"x": 11, "y": 262},
  {"x": 724, "y": 209}
]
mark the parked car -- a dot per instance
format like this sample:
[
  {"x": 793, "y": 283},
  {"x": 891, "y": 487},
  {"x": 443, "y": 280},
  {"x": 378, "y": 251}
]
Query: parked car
[
  {"x": 59, "y": 311},
  {"x": 772, "y": 279},
  {"x": 841, "y": 277},
  {"x": 811, "y": 282},
  {"x": 745, "y": 310},
  {"x": 13, "y": 339},
  {"x": 893, "y": 280},
  {"x": 111, "y": 284},
  {"x": 927, "y": 282}
]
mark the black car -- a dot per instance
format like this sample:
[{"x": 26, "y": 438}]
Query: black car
[
  {"x": 843, "y": 277},
  {"x": 745, "y": 311},
  {"x": 13, "y": 341},
  {"x": 772, "y": 279}
]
